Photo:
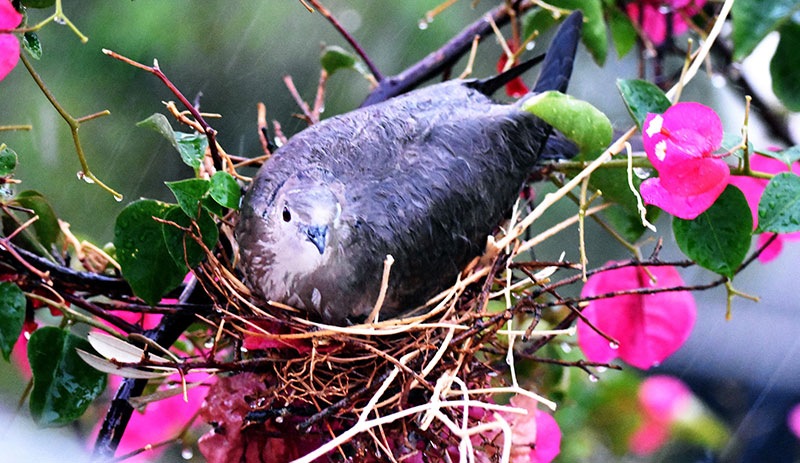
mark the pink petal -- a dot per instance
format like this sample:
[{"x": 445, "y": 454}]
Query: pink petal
[
  {"x": 9, "y": 53},
  {"x": 693, "y": 127},
  {"x": 548, "y": 439},
  {"x": 695, "y": 176},
  {"x": 650, "y": 436},
  {"x": 793, "y": 420},
  {"x": 772, "y": 251},
  {"x": 9, "y": 17},
  {"x": 649, "y": 328},
  {"x": 654, "y": 24},
  {"x": 664, "y": 397},
  {"x": 684, "y": 207}
]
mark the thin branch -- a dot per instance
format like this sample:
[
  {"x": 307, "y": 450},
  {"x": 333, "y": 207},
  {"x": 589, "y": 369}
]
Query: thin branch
[{"x": 209, "y": 131}]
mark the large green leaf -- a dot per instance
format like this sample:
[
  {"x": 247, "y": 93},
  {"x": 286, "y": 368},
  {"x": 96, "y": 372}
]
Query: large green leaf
[
  {"x": 190, "y": 194},
  {"x": 146, "y": 262},
  {"x": 581, "y": 122},
  {"x": 181, "y": 246},
  {"x": 718, "y": 239},
  {"x": 12, "y": 316},
  {"x": 779, "y": 208},
  {"x": 642, "y": 97},
  {"x": 754, "y": 19},
  {"x": 785, "y": 67},
  {"x": 63, "y": 384}
]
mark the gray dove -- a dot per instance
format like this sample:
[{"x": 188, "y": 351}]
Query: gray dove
[{"x": 424, "y": 177}]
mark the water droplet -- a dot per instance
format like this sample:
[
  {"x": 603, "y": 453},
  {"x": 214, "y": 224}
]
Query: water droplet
[
  {"x": 208, "y": 344},
  {"x": 279, "y": 419},
  {"x": 602, "y": 369},
  {"x": 187, "y": 453},
  {"x": 423, "y": 24},
  {"x": 718, "y": 80},
  {"x": 243, "y": 349},
  {"x": 613, "y": 345},
  {"x": 60, "y": 20},
  {"x": 593, "y": 378},
  {"x": 82, "y": 176},
  {"x": 642, "y": 172},
  {"x": 530, "y": 46},
  {"x": 566, "y": 347},
  {"x": 118, "y": 198}
]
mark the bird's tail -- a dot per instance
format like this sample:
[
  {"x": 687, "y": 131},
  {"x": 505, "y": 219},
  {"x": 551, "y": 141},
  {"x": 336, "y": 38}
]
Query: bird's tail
[{"x": 557, "y": 66}]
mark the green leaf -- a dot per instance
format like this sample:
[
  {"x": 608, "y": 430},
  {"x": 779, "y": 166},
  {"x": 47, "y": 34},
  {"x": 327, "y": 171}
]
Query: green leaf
[
  {"x": 732, "y": 142},
  {"x": 538, "y": 20},
  {"x": 788, "y": 156},
  {"x": 785, "y": 67},
  {"x": 581, "y": 122},
  {"x": 190, "y": 193},
  {"x": 627, "y": 222},
  {"x": 46, "y": 228},
  {"x": 181, "y": 246},
  {"x": 622, "y": 31},
  {"x": 32, "y": 45},
  {"x": 225, "y": 190},
  {"x": 335, "y": 58},
  {"x": 718, "y": 239},
  {"x": 63, "y": 384},
  {"x": 754, "y": 19},
  {"x": 779, "y": 208},
  {"x": 142, "y": 253},
  {"x": 594, "y": 27},
  {"x": 8, "y": 161},
  {"x": 642, "y": 97},
  {"x": 12, "y": 316},
  {"x": 190, "y": 146}
]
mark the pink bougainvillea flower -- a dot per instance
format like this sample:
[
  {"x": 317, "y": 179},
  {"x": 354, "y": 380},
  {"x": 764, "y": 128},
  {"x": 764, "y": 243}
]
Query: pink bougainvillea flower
[
  {"x": 663, "y": 400},
  {"x": 793, "y": 420},
  {"x": 752, "y": 189},
  {"x": 9, "y": 43},
  {"x": 680, "y": 144},
  {"x": 649, "y": 328},
  {"x": 654, "y": 16},
  {"x": 161, "y": 420}
]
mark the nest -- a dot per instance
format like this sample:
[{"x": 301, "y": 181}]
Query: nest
[{"x": 429, "y": 383}]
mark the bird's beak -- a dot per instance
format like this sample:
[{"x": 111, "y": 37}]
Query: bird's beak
[{"x": 318, "y": 236}]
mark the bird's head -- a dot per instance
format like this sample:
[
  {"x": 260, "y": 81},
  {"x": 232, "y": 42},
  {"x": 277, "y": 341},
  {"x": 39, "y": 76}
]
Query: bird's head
[{"x": 303, "y": 222}]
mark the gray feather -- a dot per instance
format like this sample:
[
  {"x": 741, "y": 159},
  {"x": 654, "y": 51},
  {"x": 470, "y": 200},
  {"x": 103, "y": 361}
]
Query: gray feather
[{"x": 424, "y": 177}]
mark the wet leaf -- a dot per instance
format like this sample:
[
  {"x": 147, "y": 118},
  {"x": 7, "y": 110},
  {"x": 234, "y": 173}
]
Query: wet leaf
[
  {"x": 581, "y": 122},
  {"x": 8, "y": 161},
  {"x": 46, "y": 228},
  {"x": 180, "y": 245},
  {"x": 718, "y": 239},
  {"x": 190, "y": 146},
  {"x": 31, "y": 43},
  {"x": 12, "y": 316},
  {"x": 785, "y": 67},
  {"x": 779, "y": 208},
  {"x": 225, "y": 190},
  {"x": 147, "y": 264},
  {"x": 189, "y": 193},
  {"x": 642, "y": 97},
  {"x": 63, "y": 384}
]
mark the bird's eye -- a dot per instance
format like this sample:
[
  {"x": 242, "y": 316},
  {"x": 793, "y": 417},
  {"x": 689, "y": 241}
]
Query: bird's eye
[{"x": 287, "y": 216}]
